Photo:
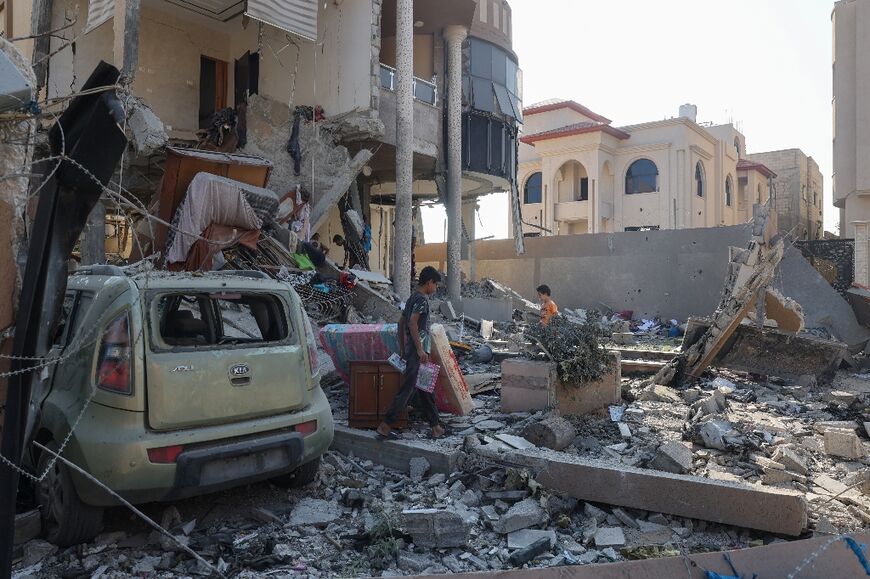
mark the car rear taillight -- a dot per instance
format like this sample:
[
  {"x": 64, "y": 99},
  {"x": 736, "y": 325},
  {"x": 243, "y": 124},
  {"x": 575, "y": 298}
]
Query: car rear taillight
[
  {"x": 165, "y": 455},
  {"x": 312, "y": 344},
  {"x": 113, "y": 364},
  {"x": 306, "y": 428}
]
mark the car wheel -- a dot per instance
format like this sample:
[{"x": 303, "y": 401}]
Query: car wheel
[
  {"x": 300, "y": 477},
  {"x": 66, "y": 520}
]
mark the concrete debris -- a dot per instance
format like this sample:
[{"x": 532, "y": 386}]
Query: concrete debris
[
  {"x": 435, "y": 528},
  {"x": 526, "y": 537},
  {"x": 791, "y": 460},
  {"x": 673, "y": 457},
  {"x": 609, "y": 537},
  {"x": 314, "y": 512},
  {"x": 843, "y": 443},
  {"x": 659, "y": 393},
  {"x": 555, "y": 432},
  {"x": 524, "y": 514},
  {"x": 418, "y": 468},
  {"x": 148, "y": 133},
  {"x": 720, "y": 434}
]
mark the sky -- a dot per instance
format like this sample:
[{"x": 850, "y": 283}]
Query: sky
[{"x": 764, "y": 65}]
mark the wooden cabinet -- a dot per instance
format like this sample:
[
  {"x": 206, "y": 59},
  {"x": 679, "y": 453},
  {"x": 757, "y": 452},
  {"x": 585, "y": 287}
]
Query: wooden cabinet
[{"x": 373, "y": 386}]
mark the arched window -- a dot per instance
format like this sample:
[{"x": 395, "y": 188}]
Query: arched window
[
  {"x": 700, "y": 177},
  {"x": 533, "y": 190},
  {"x": 737, "y": 146},
  {"x": 728, "y": 191},
  {"x": 642, "y": 177}
]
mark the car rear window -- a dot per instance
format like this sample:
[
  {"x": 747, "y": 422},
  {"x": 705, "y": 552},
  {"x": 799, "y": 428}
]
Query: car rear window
[{"x": 208, "y": 320}]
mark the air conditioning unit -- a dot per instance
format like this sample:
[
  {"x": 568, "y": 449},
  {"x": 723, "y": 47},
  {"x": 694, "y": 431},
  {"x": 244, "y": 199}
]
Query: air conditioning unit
[{"x": 15, "y": 91}]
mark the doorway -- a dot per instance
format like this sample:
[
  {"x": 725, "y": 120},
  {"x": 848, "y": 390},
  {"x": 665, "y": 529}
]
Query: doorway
[{"x": 212, "y": 88}]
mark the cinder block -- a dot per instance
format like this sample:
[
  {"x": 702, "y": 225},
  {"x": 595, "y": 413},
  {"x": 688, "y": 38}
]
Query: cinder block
[
  {"x": 577, "y": 399},
  {"x": 527, "y": 385},
  {"x": 843, "y": 443}
]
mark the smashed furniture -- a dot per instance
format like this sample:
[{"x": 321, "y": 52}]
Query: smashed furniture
[
  {"x": 182, "y": 165},
  {"x": 212, "y": 199},
  {"x": 346, "y": 343}
]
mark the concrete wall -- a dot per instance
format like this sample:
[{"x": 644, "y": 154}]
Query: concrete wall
[
  {"x": 427, "y": 124},
  {"x": 851, "y": 76},
  {"x": 672, "y": 274},
  {"x": 173, "y": 39}
]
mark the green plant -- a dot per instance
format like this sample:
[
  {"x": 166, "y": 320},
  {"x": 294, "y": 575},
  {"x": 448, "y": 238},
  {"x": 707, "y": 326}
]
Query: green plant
[{"x": 575, "y": 348}]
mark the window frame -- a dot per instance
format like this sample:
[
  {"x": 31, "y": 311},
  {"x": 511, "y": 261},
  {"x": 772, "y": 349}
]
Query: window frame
[
  {"x": 629, "y": 176},
  {"x": 540, "y": 190}
]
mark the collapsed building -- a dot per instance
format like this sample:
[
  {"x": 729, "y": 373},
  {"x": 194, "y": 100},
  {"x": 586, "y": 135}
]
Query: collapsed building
[{"x": 697, "y": 435}]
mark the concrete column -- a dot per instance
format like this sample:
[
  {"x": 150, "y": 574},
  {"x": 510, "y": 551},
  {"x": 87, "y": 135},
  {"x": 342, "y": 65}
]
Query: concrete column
[
  {"x": 454, "y": 35},
  {"x": 469, "y": 223},
  {"x": 862, "y": 252},
  {"x": 126, "y": 41},
  {"x": 404, "y": 146}
]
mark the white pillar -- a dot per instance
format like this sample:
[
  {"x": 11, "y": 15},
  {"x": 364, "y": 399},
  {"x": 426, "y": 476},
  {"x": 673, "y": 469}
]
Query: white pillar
[
  {"x": 454, "y": 35},
  {"x": 404, "y": 146},
  {"x": 862, "y": 252}
]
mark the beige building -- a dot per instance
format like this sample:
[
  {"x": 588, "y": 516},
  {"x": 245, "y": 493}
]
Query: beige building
[
  {"x": 851, "y": 70},
  {"x": 798, "y": 192},
  {"x": 580, "y": 174}
]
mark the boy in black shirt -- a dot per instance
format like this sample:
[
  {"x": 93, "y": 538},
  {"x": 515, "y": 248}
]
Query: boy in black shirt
[{"x": 414, "y": 346}]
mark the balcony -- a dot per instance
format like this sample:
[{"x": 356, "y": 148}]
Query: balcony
[
  {"x": 424, "y": 91},
  {"x": 571, "y": 211}
]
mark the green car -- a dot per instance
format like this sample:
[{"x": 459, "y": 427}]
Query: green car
[{"x": 172, "y": 385}]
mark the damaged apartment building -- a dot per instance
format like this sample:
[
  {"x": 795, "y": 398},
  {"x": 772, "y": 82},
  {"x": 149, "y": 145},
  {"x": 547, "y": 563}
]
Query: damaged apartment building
[{"x": 371, "y": 96}]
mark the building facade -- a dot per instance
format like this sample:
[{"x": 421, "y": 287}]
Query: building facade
[
  {"x": 580, "y": 174},
  {"x": 350, "y": 57},
  {"x": 798, "y": 192},
  {"x": 851, "y": 140}
]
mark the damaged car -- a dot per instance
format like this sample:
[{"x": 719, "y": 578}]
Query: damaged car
[{"x": 169, "y": 386}]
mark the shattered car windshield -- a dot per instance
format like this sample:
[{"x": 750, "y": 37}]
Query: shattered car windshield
[{"x": 213, "y": 319}]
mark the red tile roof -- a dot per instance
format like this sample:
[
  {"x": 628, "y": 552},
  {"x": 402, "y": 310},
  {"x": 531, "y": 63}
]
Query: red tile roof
[
  {"x": 548, "y": 106},
  {"x": 747, "y": 165},
  {"x": 575, "y": 129}
]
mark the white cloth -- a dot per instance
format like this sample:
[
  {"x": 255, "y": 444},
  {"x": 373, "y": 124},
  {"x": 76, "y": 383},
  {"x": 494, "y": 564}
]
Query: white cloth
[{"x": 209, "y": 199}]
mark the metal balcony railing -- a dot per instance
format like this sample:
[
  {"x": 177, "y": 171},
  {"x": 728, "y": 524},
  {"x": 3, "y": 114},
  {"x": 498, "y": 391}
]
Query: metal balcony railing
[{"x": 424, "y": 91}]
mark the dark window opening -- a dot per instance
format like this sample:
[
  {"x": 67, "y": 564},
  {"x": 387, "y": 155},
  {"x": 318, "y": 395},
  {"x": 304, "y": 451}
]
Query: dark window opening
[
  {"x": 202, "y": 320},
  {"x": 642, "y": 177},
  {"x": 699, "y": 179},
  {"x": 533, "y": 189},
  {"x": 584, "y": 189},
  {"x": 643, "y": 228},
  {"x": 728, "y": 191}
]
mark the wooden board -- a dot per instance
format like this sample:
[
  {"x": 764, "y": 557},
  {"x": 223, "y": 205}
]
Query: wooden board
[{"x": 455, "y": 390}]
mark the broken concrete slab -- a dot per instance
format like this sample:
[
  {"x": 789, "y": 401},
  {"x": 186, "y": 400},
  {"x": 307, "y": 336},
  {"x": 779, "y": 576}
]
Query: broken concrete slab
[
  {"x": 515, "y": 441},
  {"x": 448, "y": 311},
  {"x": 790, "y": 459},
  {"x": 843, "y": 443},
  {"x": 525, "y": 537},
  {"x": 435, "y": 528},
  {"x": 776, "y": 511},
  {"x": 659, "y": 393},
  {"x": 395, "y": 454},
  {"x": 314, "y": 512},
  {"x": 674, "y": 457},
  {"x": 771, "y": 353},
  {"x": 526, "y": 513},
  {"x": 417, "y": 468},
  {"x": 609, "y": 537}
]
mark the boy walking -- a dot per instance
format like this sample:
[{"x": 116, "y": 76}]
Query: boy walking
[
  {"x": 548, "y": 306},
  {"x": 414, "y": 346}
]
